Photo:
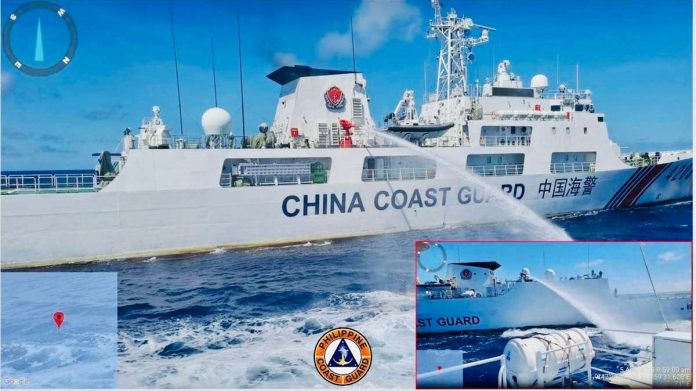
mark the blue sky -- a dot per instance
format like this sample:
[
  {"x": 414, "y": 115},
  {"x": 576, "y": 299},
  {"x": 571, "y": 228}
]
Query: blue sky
[
  {"x": 634, "y": 56},
  {"x": 621, "y": 263}
]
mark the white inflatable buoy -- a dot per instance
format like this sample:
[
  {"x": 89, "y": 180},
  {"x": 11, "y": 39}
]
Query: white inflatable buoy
[{"x": 521, "y": 357}]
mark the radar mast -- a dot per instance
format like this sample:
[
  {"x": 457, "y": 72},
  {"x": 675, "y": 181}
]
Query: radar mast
[{"x": 456, "y": 50}]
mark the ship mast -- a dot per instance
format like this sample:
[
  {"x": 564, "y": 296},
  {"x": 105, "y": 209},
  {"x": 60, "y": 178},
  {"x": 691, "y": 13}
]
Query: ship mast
[{"x": 456, "y": 50}]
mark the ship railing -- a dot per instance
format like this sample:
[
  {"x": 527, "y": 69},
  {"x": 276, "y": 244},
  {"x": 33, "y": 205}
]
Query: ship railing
[
  {"x": 525, "y": 115},
  {"x": 505, "y": 141},
  {"x": 398, "y": 174},
  {"x": 497, "y": 169},
  {"x": 446, "y": 141},
  {"x": 569, "y": 95},
  {"x": 560, "y": 168},
  {"x": 53, "y": 183},
  {"x": 240, "y": 180},
  {"x": 502, "y": 373}
]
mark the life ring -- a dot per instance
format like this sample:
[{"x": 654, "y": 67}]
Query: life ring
[{"x": 442, "y": 263}]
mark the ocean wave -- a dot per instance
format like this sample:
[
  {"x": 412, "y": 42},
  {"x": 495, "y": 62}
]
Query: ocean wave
[{"x": 271, "y": 351}]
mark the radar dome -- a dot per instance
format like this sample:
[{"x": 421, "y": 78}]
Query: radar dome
[
  {"x": 550, "y": 274},
  {"x": 216, "y": 121},
  {"x": 539, "y": 82}
]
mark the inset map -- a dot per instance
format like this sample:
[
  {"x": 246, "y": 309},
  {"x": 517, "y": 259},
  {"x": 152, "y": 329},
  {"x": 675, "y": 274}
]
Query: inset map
[{"x": 82, "y": 352}]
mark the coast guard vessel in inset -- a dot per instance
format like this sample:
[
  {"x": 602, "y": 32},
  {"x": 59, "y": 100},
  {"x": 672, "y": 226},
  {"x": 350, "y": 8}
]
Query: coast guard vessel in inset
[
  {"x": 470, "y": 297},
  {"x": 325, "y": 170}
]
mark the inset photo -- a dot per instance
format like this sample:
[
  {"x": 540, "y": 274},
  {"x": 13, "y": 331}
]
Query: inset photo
[{"x": 553, "y": 314}]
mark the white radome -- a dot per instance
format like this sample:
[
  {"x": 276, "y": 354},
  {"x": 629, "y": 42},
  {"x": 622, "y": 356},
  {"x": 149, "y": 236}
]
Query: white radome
[
  {"x": 216, "y": 121},
  {"x": 540, "y": 82}
]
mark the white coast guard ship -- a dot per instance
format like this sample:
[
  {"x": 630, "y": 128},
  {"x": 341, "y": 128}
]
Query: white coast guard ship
[
  {"x": 470, "y": 297},
  {"x": 321, "y": 171}
]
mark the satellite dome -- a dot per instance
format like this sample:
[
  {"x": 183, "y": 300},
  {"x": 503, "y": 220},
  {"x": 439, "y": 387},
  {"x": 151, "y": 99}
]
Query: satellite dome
[
  {"x": 550, "y": 274},
  {"x": 216, "y": 121},
  {"x": 539, "y": 82}
]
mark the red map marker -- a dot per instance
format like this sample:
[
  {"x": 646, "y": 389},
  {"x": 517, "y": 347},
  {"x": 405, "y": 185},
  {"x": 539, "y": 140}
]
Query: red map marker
[{"x": 58, "y": 317}]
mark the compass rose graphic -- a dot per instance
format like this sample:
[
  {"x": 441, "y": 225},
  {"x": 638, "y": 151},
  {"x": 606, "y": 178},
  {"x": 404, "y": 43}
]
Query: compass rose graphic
[{"x": 54, "y": 38}]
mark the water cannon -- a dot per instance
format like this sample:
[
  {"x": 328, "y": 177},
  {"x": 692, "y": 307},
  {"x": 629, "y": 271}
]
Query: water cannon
[
  {"x": 347, "y": 141},
  {"x": 346, "y": 125},
  {"x": 525, "y": 275}
]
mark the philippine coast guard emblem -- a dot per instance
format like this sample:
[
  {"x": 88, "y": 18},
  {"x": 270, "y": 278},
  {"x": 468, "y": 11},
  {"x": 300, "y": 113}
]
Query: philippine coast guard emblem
[{"x": 342, "y": 356}]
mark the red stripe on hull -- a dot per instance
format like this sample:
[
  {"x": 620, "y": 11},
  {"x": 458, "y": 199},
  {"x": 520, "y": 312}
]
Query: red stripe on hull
[{"x": 639, "y": 188}]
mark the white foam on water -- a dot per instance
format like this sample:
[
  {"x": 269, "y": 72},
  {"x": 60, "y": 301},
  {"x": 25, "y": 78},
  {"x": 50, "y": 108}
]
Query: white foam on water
[
  {"x": 219, "y": 251},
  {"x": 535, "y": 226},
  {"x": 275, "y": 351}
]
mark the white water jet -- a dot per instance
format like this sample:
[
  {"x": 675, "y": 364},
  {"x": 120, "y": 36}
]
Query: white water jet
[
  {"x": 604, "y": 315},
  {"x": 539, "y": 227}
]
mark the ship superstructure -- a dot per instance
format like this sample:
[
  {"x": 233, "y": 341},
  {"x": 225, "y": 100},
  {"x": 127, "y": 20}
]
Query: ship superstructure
[
  {"x": 325, "y": 169},
  {"x": 471, "y": 297}
]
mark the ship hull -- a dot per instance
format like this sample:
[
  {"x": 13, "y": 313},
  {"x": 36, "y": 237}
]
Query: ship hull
[
  {"x": 531, "y": 304},
  {"x": 121, "y": 222}
]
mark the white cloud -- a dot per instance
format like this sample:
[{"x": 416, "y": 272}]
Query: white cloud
[
  {"x": 670, "y": 256},
  {"x": 590, "y": 264},
  {"x": 281, "y": 59},
  {"x": 375, "y": 22}
]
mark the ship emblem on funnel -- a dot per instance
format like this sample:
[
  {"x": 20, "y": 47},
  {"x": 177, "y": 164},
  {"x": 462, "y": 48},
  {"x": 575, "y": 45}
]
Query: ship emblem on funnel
[
  {"x": 335, "y": 99},
  {"x": 466, "y": 274}
]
